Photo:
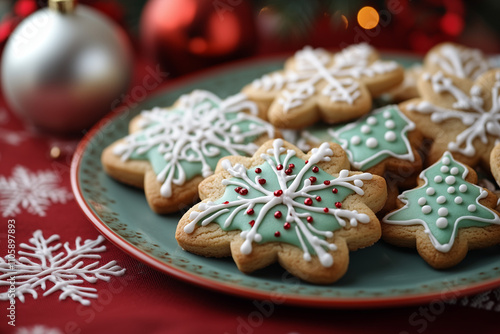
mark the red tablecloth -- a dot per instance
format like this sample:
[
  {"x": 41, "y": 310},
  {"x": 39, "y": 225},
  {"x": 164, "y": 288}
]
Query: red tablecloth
[{"x": 145, "y": 301}]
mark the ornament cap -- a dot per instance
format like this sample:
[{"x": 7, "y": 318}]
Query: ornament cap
[{"x": 63, "y": 6}]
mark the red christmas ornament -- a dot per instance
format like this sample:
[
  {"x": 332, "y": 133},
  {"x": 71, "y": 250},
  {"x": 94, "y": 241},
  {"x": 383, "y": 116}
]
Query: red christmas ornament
[{"x": 187, "y": 35}]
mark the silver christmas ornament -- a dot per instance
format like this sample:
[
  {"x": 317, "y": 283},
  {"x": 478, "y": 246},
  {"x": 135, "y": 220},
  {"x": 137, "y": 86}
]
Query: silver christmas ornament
[{"x": 64, "y": 66}]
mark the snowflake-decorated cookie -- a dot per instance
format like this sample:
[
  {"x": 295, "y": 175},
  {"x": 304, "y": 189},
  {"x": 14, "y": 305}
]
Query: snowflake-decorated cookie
[
  {"x": 316, "y": 84},
  {"x": 170, "y": 151},
  {"x": 445, "y": 216},
  {"x": 305, "y": 211},
  {"x": 460, "y": 116}
]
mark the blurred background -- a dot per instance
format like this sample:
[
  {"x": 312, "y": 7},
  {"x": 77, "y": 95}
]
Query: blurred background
[{"x": 187, "y": 35}]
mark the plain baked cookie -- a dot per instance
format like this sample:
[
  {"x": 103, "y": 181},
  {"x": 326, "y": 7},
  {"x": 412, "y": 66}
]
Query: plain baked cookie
[
  {"x": 444, "y": 217},
  {"x": 305, "y": 211},
  {"x": 170, "y": 151},
  {"x": 316, "y": 84}
]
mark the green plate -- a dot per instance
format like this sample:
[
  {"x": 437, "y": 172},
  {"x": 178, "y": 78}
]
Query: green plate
[{"x": 380, "y": 275}]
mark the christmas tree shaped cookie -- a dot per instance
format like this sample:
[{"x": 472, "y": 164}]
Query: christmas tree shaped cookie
[
  {"x": 316, "y": 84},
  {"x": 445, "y": 216},
  {"x": 305, "y": 211},
  {"x": 460, "y": 116},
  {"x": 170, "y": 151}
]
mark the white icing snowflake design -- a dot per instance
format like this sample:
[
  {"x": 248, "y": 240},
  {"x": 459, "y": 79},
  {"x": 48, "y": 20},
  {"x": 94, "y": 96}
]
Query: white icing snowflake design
[
  {"x": 468, "y": 108},
  {"x": 203, "y": 126},
  {"x": 312, "y": 67},
  {"x": 38, "y": 329},
  {"x": 40, "y": 263},
  {"x": 461, "y": 62},
  {"x": 291, "y": 190},
  {"x": 34, "y": 192}
]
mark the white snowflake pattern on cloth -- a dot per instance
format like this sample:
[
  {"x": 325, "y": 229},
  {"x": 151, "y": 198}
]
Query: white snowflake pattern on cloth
[
  {"x": 38, "y": 329},
  {"x": 65, "y": 270},
  {"x": 34, "y": 192}
]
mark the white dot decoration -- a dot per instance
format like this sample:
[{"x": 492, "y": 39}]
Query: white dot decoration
[
  {"x": 387, "y": 114},
  {"x": 358, "y": 183},
  {"x": 451, "y": 190},
  {"x": 450, "y": 180},
  {"x": 454, "y": 171},
  {"x": 371, "y": 142},
  {"x": 390, "y": 124},
  {"x": 356, "y": 140},
  {"x": 430, "y": 191},
  {"x": 390, "y": 136},
  {"x": 371, "y": 120},
  {"x": 442, "y": 222},
  {"x": 446, "y": 161},
  {"x": 426, "y": 209},
  {"x": 365, "y": 129},
  {"x": 422, "y": 201},
  {"x": 438, "y": 179},
  {"x": 462, "y": 188},
  {"x": 443, "y": 212},
  {"x": 471, "y": 208},
  {"x": 441, "y": 200},
  {"x": 444, "y": 169},
  {"x": 458, "y": 200}
]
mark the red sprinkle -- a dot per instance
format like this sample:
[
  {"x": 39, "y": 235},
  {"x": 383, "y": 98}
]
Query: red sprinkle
[
  {"x": 326, "y": 182},
  {"x": 309, "y": 219},
  {"x": 335, "y": 190},
  {"x": 258, "y": 170},
  {"x": 291, "y": 166},
  {"x": 243, "y": 191},
  {"x": 315, "y": 169},
  {"x": 250, "y": 212},
  {"x": 312, "y": 179},
  {"x": 338, "y": 205},
  {"x": 237, "y": 189},
  {"x": 277, "y": 214},
  {"x": 325, "y": 210},
  {"x": 307, "y": 161},
  {"x": 286, "y": 225},
  {"x": 308, "y": 201},
  {"x": 277, "y": 234},
  {"x": 318, "y": 198},
  {"x": 278, "y": 193},
  {"x": 252, "y": 223},
  {"x": 262, "y": 181},
  {"x": 279, "y": 167},
  {"x": 288, "y": 171},
  {"x": 226, "y": 202}
]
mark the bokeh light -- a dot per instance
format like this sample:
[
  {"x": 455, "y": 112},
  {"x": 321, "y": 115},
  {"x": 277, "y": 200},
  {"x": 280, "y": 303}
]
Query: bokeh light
[{"x": 368, "y": 17}]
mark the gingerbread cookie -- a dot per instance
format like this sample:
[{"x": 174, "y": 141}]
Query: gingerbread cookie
[
  {"x": 170, "y": 151},
  {"x": 316, "y": 84},
  {"x": 458, "y": 115},
  {"x": 444, "y": 217},
  {"x": 305, "y": 211},
  {"x": 408, "y": 88}
]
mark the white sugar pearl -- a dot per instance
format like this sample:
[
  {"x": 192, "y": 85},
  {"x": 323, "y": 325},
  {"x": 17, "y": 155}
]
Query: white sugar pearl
[
  {"x": 387, "y": 114},
  {"x": 471, "y": 208},
  {"x": 441, "y": 200},
  {"x": 426, "y": 209},
  {"x": 442, "y": 222},
  {"x": 356, "y": 140},
  {"x": 371, "y": 142},
  {"x": 454, "y": 171},
  {"x": 422, "y": 201},
  {"x": 450, "y": 180},
  {"x": 444, "y": 169},
  {"x": 365, "y": 129},
  {"x": 446, "y": 161},
  {"x": 371, "y": 120},
  {"x": 430, "y": 191},
  {"x": 462, "y": 188},
  {"x": 458, "y": 200},
  {"x": 443, "y": 212},
  {"x": 390, "y": 124},
  {"x": 438, "y": 179},
  {"x": 451, "y": 190},
  {"x": 390, "y": 136}
]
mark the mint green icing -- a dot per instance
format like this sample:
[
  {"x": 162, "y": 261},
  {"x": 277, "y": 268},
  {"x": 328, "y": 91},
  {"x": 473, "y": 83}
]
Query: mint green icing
[{"x": 445, "y": 188}]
